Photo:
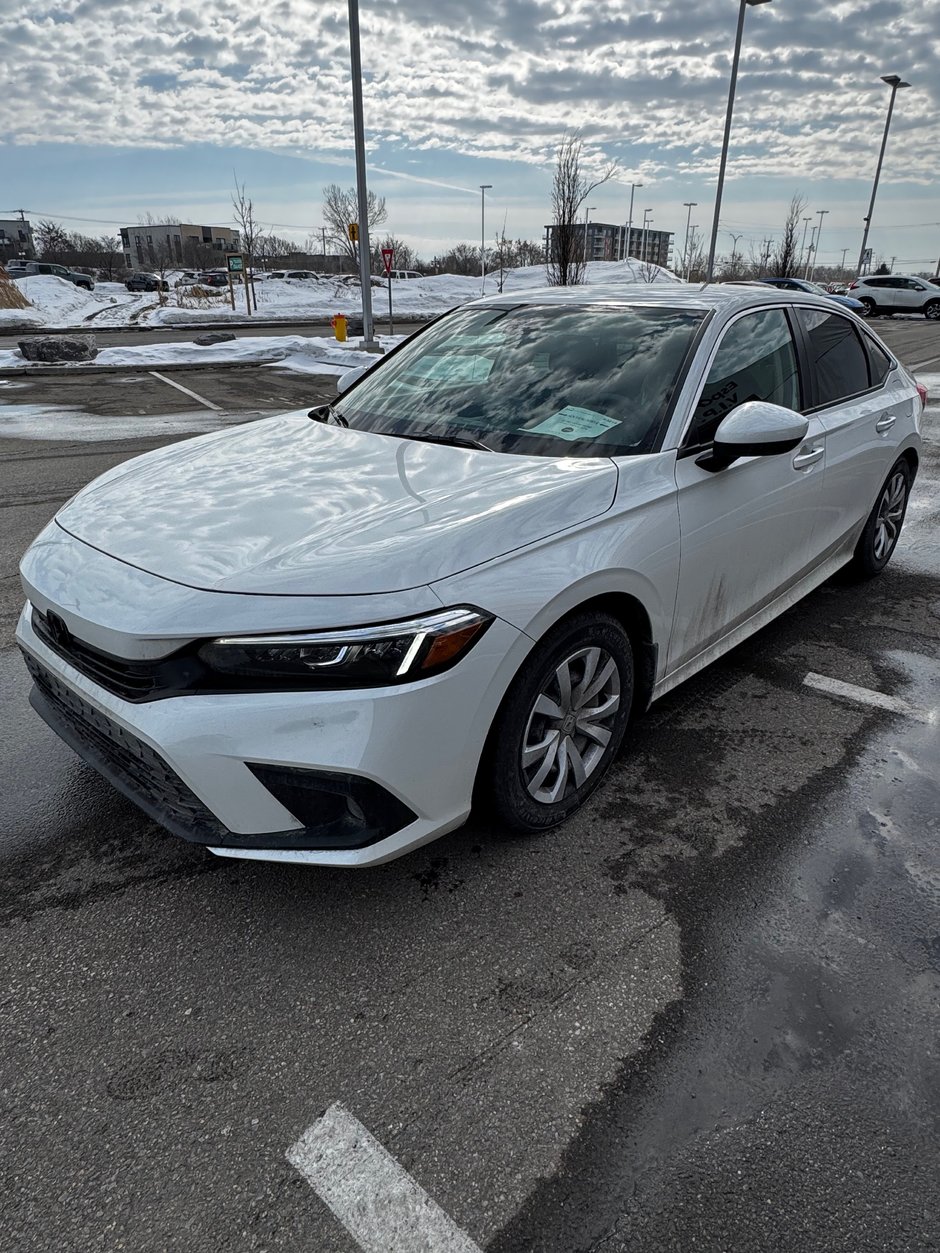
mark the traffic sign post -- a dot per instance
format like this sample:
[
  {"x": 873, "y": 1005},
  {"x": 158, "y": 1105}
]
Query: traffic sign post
[
  {"x": 388, "y": 256},
  {"x": 235, "y": 264}
]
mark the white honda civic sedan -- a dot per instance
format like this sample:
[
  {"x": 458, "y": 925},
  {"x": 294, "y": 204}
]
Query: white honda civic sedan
[{"x": 324, "y": 637}]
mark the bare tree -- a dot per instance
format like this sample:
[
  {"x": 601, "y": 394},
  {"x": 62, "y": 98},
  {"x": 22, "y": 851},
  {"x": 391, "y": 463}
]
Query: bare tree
[
  {"x": 404, "y": 259},
  {"x": 341, "y": 208},
  {"x": 52, "y": 240},
  {"x": 570, "y": 188},
  {"x": 243, "y": 211},
  {"x": 786, "y": 256},
  {"x": 696, "y": 256}
]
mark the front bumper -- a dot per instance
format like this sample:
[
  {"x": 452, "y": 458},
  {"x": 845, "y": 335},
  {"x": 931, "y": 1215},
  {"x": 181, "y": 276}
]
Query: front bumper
[{"x": 187, "y": 761}]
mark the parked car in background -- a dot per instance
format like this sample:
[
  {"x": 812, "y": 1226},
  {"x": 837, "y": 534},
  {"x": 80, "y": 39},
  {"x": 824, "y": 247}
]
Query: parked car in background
[
  {"x": 26, "y": 268},
  {"x": 309, "y": 275},
  {"x": 935, "y": 280},
  {"x": 323, "y": 637},
  {"x": 146, "y": 282},
  {"x": 814, "y": 289},
  {"x": 212, "y": 278},
  {"x": 896, "y": 293}
]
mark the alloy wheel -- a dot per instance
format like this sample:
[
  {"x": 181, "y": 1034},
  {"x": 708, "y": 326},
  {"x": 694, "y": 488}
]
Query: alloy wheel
[
  {"x": 570, "y": 725},
  {"x": 890, "y": 516}
]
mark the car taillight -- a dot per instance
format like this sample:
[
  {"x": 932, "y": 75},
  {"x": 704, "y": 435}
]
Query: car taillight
[
  {"x": 852, "y": 286},
  {"x": 922, "y": 393}
]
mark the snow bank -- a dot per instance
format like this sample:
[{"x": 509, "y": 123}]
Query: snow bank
[{"x": 290, "y": 352}]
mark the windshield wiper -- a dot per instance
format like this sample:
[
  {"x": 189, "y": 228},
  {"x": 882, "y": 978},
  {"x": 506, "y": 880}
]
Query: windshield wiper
[
  {"x": 327, "y": 414},
  {"x": 458, "y": 441}
]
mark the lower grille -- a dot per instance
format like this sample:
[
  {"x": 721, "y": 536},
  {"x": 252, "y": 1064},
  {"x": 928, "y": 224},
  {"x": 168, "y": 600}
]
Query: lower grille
[{"x": 127, "y": 762}]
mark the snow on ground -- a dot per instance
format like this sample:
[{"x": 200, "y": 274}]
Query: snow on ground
[
  {"x": 59, "y": 303},
  {"x": 304, "y": 354}
]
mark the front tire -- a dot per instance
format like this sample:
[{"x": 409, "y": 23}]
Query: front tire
[
  {"x": 870, "y": 308},
  {"x": 883, "y": 528},
  {"x": 561, "y": 723},
  {"x": 932, "y": 310}
]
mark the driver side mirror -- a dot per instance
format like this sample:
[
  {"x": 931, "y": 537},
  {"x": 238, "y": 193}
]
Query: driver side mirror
[
  {"x": 345, "y": 381},
  {"x": 755, "y": 429}
]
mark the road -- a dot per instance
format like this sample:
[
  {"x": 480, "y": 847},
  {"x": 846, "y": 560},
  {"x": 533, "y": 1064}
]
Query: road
[{"x": 701, "y": 1015}]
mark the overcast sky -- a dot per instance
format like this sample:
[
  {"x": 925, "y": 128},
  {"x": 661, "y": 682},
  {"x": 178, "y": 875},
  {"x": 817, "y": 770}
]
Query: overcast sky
[{"x": 113, "y": 108}]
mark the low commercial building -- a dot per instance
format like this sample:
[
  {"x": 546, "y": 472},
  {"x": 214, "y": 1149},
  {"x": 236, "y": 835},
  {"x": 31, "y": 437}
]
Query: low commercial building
[
  {"x": 150, "y": 246},
  {"x": 16, "y": 239}
]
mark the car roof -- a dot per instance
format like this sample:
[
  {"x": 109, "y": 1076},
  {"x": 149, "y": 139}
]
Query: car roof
[{"x": 700, "y": 298}]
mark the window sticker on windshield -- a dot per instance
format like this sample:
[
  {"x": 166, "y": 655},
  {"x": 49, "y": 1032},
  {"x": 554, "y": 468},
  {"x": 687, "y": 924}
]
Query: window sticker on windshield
[
  {"x": 454, "y": 369},
  {"x": 573, "y": 423}
]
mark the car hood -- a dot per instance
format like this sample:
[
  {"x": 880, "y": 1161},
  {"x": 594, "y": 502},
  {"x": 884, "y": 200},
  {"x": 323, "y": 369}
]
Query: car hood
[{"x": 288, "y": 506}]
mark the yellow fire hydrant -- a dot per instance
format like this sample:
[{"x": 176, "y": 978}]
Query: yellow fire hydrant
[{"x": 339, "y": 327}]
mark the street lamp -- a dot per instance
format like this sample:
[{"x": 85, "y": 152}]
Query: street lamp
[
  {"x": 626, "y": 251},
  {"x": 894, "y": 82},
  {"x": 724, "y": 143},
  {"x": 806, "y": 222},
  {"x": 587, "y": 213},
  {"x": 484, "y": 188},
  {"x": 821, "y": 213},
  {"x": 690, "y": 205},
  {"x": 734, "y": 249},
  {"x": 362, "y": 196},
  {"x": 644, "y": 247}
]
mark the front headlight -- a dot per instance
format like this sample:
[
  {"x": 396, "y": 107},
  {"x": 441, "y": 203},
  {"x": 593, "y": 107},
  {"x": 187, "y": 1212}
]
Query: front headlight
[{"x": 398, "y": 652}]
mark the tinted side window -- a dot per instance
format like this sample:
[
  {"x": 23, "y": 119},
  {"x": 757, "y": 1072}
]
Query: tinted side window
[
  {"x": 878, "y": 361},
  {"x": 756, "y": 360},
  {"x": 837, "y": 359}
]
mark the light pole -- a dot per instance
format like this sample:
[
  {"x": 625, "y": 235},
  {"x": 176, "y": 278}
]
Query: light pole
[
  {"x": 734, "y": 250},
  {"x": 842, "y": 265},
  {"x": 626, "y": 251},
  {"x": 727, "y": 135},
  {"x": 809, "y": 253},
  {"x": 821, "y": 213},
  {"x": 894, "y": 82},
  {"x": 484, "y": 188},
  {"x": 690, "y": 205},
  {"x": 806, "y": 222},
  {"x": 644, "y": 247},
  {"x": 587, "y": 213},
  {"x": 362, "y": 195}
]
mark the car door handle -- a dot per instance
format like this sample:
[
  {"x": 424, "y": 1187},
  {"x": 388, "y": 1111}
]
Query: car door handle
[
  {"x": 808, "y": 457},
  {"x": 885, "y": 423}
]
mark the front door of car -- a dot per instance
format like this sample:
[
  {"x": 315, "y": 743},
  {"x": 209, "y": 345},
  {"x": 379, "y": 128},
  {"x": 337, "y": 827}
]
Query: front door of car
[
  {"x": 751, "y": 530},
  {"x": 912, "y": 296}
]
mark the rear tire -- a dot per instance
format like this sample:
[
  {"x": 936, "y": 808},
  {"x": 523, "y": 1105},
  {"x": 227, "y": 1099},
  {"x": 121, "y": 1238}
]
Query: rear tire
[
  {"x": 882, "y": 530},
  {"x": 560, "y": 725}
]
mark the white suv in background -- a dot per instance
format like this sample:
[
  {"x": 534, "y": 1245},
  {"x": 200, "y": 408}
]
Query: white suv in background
[{"x": 896, "y": 293}]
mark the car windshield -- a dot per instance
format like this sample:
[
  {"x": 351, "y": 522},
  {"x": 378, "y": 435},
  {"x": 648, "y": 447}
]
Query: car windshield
[{"x": 538, "y": 380}]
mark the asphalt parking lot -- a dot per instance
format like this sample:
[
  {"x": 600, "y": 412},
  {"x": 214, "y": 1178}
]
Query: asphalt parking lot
[{"x": 702, "y": 1015}]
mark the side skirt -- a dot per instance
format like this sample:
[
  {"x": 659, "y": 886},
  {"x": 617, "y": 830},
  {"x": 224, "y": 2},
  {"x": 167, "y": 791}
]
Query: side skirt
[{"x": 760, "y": 619}]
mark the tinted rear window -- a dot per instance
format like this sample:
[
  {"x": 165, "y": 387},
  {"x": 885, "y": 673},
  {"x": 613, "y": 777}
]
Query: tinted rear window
[{"x": 838, "y": 362}]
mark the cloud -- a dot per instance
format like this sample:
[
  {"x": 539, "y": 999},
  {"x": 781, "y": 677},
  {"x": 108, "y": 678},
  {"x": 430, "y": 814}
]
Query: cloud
[{"x": 496, "y": 79}]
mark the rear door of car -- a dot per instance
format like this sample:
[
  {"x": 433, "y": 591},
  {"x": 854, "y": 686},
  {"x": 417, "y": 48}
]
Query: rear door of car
[
  {"x": 866, "y": 408},
  {"x": 751, "y": 530}
]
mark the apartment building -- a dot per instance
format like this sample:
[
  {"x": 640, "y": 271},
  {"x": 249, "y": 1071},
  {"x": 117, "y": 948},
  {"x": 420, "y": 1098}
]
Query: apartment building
[{"x": 177, "y": 244}]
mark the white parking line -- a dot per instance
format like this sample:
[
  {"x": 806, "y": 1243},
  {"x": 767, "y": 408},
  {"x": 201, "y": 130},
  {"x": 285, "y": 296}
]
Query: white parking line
[
  {"x": 867, "y": 696},
  {"x": 375, "y": 1198},
  {"x": 180, "y": 388}
]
